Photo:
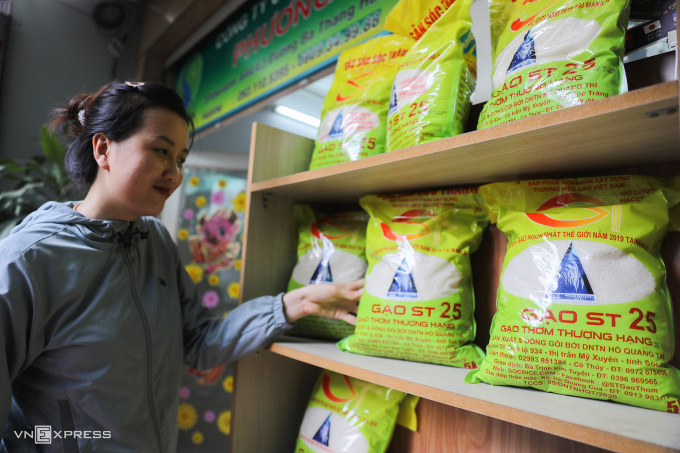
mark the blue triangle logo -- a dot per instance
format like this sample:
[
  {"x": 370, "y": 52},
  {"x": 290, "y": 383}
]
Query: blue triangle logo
[
  {"x": 402, "y": 283},
  {"x": 525, "y": 55},
  {"x": 336, "y": 130},
  {"x": 322, "y": 435},
  {"x": 572, "y": 281},
  {"x": 322, "y": 274},
  {"x": 393, "y": 99}
]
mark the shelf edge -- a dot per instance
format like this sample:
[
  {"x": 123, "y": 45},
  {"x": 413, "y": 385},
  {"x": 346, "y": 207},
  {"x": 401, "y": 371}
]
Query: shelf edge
[{"x": 555, "y": 426}]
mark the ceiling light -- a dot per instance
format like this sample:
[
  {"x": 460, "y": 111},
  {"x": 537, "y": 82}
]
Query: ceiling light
[{"x": 296, "y": 115}]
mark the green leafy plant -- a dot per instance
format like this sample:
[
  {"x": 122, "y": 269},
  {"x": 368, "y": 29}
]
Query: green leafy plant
[{"x": 35, "y": 181}]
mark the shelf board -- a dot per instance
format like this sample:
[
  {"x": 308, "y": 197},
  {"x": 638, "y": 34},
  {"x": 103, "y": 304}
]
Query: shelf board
[
  {"x": 608, "y": 425},
  {"x": 590, "y": 137}
]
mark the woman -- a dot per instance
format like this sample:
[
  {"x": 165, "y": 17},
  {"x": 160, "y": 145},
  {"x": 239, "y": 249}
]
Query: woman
[{"x": 98, "y": 316}]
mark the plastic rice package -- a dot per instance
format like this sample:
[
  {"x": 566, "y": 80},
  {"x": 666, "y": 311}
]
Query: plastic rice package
[
  {"x": 548, "y": 55},
  {"x": 432, "y": 90},
  {"x": 583, "y": 308},
  {"x": 354, "y": 112},
  {"x": 414, "y": 17},
  {"x": 330, "y": 248},
  {"x": 346, "y": 414},
  {"x": 418, "y": 300}
]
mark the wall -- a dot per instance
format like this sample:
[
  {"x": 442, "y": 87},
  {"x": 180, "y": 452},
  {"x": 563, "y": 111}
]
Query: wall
[{"x": 54, "y": 52}]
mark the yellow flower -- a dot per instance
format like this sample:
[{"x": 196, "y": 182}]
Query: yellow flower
[
  {"x": 237, "y": 265},
  {"x": 228, "y": 384},
  {"x": 186, "y": 416},
  {"x": 183, "y": 234},
  {"x": 234, "y": 290},
  {"x": 239, "y": 202},
  {"x": 201, "y": 201},
  {"x": 222, "y": 183},
  {"x": 214, "y": 280},
  {"x": 194, "y": 180},
  {"x": 197, "y": 438},
  {"x": 195, "y": 272},
  {"x": 224, "y": 422}
]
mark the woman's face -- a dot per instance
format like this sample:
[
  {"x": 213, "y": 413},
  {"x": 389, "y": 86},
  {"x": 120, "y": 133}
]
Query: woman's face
[{"x": 142, "y": 171}]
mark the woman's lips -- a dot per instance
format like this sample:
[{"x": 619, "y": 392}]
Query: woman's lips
[{"x": 165, "y": 191}]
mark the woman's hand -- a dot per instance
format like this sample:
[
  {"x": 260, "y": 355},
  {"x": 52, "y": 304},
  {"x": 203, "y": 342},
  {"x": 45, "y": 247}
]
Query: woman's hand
[{"x": 329, "y": 300}]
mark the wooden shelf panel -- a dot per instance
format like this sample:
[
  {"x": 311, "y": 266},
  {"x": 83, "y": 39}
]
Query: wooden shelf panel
[
  {"x": 603, "y": 424},
  {"x": 637, "y": 128}
]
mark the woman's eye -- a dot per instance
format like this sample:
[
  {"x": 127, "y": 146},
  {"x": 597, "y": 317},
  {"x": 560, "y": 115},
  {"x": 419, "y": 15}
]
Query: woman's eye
[
  {"x": 164, "y": 152},
  {"x": 181, "y": 161}
]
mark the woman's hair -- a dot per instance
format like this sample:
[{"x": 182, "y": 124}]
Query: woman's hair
[{"x": 117, "y": 110}]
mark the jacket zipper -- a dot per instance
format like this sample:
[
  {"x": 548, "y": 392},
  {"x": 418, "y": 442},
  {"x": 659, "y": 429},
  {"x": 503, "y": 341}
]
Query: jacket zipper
[{"x": 147, "y": 339}]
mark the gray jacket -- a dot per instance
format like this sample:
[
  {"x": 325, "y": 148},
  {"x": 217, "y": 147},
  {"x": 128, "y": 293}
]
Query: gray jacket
[{"x": 97, "y": 319}]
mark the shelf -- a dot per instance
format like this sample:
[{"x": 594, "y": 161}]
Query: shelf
[
  {"x": 608, "y": 425},
  {"x": 636, "y": 128},
  {"x": 639, "y": 130}
]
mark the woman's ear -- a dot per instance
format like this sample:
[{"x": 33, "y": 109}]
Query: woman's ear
[{"x": 100, "y": 145}]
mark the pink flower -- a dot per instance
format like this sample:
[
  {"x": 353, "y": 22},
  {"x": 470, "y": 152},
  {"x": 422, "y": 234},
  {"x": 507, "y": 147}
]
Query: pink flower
[
  {"x": 188, "y": 214},
  {"x": 209, "y": 416},
  {"x": 217, "y": 198},
  {"x": 211, "y": 299},
  {"x": 184, "y": 392}
]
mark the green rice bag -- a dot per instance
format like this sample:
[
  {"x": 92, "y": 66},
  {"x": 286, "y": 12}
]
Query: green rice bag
[
  {"x": 414, "y": 17},
  {"x": 346, "y": 414},
  {"x": 583, "y": 308},
  {"x": 331, "y": 248},
  {"x": 418, "y": 300},
  {"x": 354, "y": 111},
  {"x": 552, "y": 54},
  {"x": 432, "y": 89}
]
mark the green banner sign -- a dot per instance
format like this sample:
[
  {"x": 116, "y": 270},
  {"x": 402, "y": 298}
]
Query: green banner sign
[{"x": 267, "y": 45}]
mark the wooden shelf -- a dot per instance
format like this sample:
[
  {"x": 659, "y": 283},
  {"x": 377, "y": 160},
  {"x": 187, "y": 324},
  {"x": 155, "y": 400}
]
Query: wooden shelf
[
  {"x": 603, "y": 424},
  {"x": 637, "y": 128}
]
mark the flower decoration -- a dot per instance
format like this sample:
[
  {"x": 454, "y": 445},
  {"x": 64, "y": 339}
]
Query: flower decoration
[
  {"x": 186, "y": 416},
  {"x": 197, "y": 438},
  {"x": 184, "y": 392},
  {"x": 238, "y": 264},
  {"x": 214, "y": 280},
  {"x": 234, "y": 290},
  {"x": 188, "y": 214},
  {"x": 217, "y": 197},
  {"x": 201, "y": 201},
  {"x": 222, "y": 183},
  {"x": 195, "y": 272},
  {"x": 224, "y": 422},
  {"x": 239, "y": 202},
  {"x": 228, "y": 384},
  {"x": 209, "y": 416},
  {"x": 194, "y": 181},
  {"x": 211, "y": 299},
  {"x": 183, "y": 234}
]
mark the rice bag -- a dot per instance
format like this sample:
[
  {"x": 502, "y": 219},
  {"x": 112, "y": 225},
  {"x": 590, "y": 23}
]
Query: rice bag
[
  {"x": 433, "y": 87},
  {"x": 548, "y": 55},
  {"x": 418, "y": 299},
  {"x": 346, "y": 414},
  {"x": 330, "y": 248},
  {"x": 583, "y": 308},
  {"x": 414, "y": 17},
  {"x": 354, "y": 112}
]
